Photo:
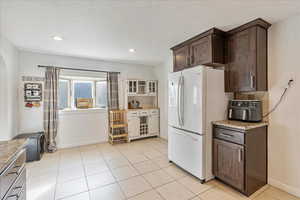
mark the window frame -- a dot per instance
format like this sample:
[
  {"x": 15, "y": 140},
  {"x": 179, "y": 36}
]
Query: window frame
[
  {"x": 96, "y": 93},
  {"x": 71, "y": 91}
]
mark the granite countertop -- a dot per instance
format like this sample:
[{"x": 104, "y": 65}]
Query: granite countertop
[
  {"x": 8, "y": 150},
  {"x": 240, "y": 125}
]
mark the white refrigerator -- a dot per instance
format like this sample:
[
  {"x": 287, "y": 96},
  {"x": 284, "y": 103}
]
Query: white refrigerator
[{"x": 196, "y": 98}]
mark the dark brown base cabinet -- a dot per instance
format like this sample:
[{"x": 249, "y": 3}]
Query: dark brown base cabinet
[{"x": 240, "y": 157}]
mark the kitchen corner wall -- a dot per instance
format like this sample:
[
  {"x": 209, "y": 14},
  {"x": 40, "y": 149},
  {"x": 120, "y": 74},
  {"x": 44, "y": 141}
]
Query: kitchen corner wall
[
  {"x": 76, "y": 128},
  {"x": 162, "y": 72},
  {"x": 9, "y": 70},
  {"x": 284, "y": 133}
]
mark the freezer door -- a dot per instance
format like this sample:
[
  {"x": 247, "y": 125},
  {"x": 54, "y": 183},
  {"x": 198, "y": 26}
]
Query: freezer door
[
  {"x": 173, "y": 107},
  {"x": 192, "y": 111},
  {"x": 187, "y": 151}
]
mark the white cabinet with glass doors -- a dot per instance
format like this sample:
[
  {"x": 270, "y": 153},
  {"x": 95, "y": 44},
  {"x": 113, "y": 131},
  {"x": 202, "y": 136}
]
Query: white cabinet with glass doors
[
  {"x": 141, "y": 88},
  {"x": 152, "y": 87}
]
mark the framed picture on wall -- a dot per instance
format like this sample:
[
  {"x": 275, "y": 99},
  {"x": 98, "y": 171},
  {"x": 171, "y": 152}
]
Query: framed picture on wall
[{"x": 33, "y": 92}]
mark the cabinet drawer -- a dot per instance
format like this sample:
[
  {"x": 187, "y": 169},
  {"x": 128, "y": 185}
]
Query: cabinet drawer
[
  {"x": 132, "y": 114},
  {"x": 153, "y": 112},
  {"x": 19, "y": 188},
  {"x": 229, "y": 135},
  {"x": 12, "y": 172},
  {"x": 143, "y": 113}
]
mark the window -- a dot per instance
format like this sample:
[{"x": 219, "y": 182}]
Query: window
[
  {"x": 72, "y": 88},
  {"x": 101, "y": 94},
  {"x": 63, "y": 99},
  {"x": 82, "y": 89}
]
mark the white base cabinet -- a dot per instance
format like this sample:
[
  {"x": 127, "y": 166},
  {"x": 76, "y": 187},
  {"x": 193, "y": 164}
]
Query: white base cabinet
[
  {"x": 136, "y": 123},
  {"x": 133, "y": 127},
  {"x": 153, "y": 124}
]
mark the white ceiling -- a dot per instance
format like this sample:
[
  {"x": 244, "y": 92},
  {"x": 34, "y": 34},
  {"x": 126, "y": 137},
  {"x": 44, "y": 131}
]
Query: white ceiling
[{"x": 106, "y": 29}]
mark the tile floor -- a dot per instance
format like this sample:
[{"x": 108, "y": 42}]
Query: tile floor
[{"x": 135, "y": 171}]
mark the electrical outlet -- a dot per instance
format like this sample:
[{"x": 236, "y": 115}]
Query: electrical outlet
[{"x": 290, "y": 82}]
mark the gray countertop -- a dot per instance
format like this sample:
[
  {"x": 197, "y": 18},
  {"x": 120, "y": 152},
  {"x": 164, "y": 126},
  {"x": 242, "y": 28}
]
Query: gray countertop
[
  {"x": 239, "y": 124},
  {"x": 8, "y": 150}
]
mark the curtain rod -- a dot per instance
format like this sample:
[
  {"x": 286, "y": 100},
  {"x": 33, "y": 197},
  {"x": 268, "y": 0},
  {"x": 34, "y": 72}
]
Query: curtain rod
[{"x": 87, "y": 70}]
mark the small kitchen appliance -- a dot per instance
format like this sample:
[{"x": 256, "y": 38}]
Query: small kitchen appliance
[{"x": 245, "y": 110}]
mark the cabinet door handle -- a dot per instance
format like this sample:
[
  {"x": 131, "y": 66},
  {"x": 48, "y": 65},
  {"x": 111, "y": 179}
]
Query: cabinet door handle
[
  {"x": 240, "y": 155},
  {"x": 226, "y": 135},
  {"x": 187, "y": 60},
  {"x": 251, "y": 80},
  {"x": 230, "y": 113}
]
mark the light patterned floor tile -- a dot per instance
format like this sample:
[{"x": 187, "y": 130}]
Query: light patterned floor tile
[
  {"x": 151, "y": 154},
  {"x": 124, "y": 172},
  {"x": 158, "y": 178},
  {"x": 101, "y": 179},
  {"x": 109, "y": 192},
  {"x": 40, "y": 191},
  {"x": 196, "y": 198},
  {"x": 194, "y": 184},
  {"x": 145, "y": 167},
  {"x": 55, "y": 176},
  {"x": 134, "y": 186},
  {"x": 70, "y": 174},
  {"x": 118, "y": 162},
  {"x": 216, "y": 193},
  {"x": 162, "y": 161},
  {"x": 136, "y": 158},
  {"x": 70, "y": 188},
  {"x": 150, "y": 195},
  {"x": 95, "y": 168},
  {"x": 175, "y": 172},
  {"x": 81, "y": 196},
  {"x": 174, "y": 191}
]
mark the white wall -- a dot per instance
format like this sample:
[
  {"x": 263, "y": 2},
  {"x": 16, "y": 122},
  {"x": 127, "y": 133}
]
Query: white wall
[
  {"x": 82, "y": 127},
  {"x": 8, "y": 89},
  {"x": 162, "y": 72},
  {"x": 75, "y": 128},
  {"x": 284, "y": 133}
]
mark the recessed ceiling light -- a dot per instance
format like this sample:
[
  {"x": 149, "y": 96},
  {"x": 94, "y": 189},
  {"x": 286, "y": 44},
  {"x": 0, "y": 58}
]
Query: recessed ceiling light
[
  {"x": 57, "y": 38},
  {"x": 131, "y": 50}
]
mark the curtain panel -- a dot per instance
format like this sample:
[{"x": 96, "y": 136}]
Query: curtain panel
[
  {"x": 113, "y": 94},
  {"x": 51, "y": 108}
]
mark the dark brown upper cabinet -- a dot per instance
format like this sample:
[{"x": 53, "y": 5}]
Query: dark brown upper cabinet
[
  {"x": 204, "y": 49},
  {"x": 181, "y": 58},
  {"x": 246, "y": 57}
]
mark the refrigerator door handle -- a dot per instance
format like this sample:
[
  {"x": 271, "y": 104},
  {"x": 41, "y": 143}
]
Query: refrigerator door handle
[
  {"x": 182, "y": 100},
  {"x": 178, "y": 102}
]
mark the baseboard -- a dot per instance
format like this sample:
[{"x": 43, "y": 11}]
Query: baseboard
[
  {"x": 79, "y": 143},
  {"x": 289, "y": 189}
]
